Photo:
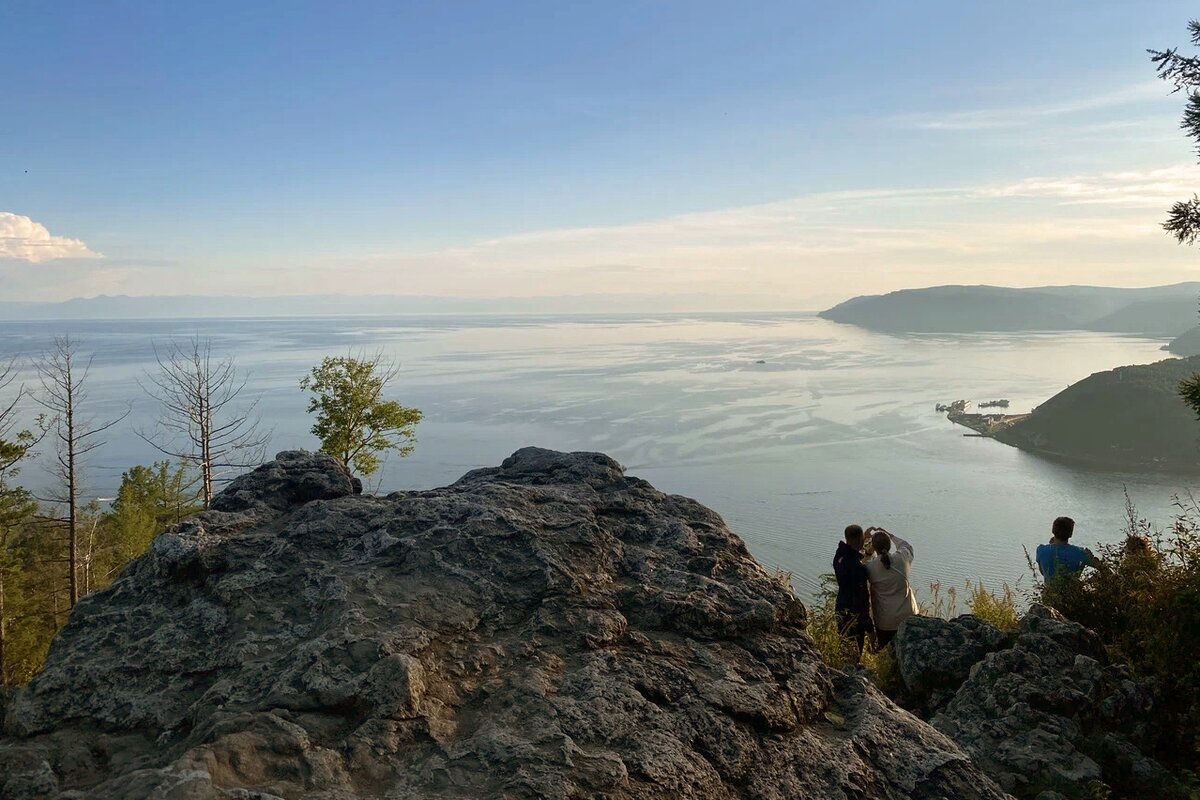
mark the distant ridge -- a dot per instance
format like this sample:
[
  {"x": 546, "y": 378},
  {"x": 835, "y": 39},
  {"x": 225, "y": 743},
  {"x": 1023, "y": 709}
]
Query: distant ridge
[
  {"x": 1156, "y": 310},
  {"x": 199, "y": 306}
]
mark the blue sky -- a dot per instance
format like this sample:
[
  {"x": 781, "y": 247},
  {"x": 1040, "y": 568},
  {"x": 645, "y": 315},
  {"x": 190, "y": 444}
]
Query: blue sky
[{"x": 800, "y": 151}]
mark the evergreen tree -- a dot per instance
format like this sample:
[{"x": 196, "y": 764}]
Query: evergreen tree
[
  {"x": 150, "y": 500},
  {"x": 1183, "y": 72}
]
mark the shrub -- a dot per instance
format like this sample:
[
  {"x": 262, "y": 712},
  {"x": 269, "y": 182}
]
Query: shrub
[
  {"x": 999, "y": 608},
  {"x": 836, "y": 649}
]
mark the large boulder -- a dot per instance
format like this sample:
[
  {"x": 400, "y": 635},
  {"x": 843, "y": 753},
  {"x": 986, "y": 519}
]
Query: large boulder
[
  {"x": 1046, "y": 715},
  {"x": 934, "y": 655},
  {"x": 549, "y": 628}
]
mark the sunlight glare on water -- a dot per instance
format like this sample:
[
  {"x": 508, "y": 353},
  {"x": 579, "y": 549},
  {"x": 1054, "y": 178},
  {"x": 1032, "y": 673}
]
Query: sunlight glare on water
[{"x": 836, "y": 425}]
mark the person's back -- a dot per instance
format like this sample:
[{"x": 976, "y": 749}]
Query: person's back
[
  {"x": 892, "y": 598},
  {"x": 1059, "y": 558},
  {"x": 853, "y": 599}
]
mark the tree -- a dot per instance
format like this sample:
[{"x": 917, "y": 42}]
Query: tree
[
  {"x": 75, "y": 434},
  {"x": 202, "y": 422},
  {"x": 150, "y": 500},
  {"x": 354, "y": 423},
  {"x": 1183, "y": 220},
  {"x": 16, "y": 505}
]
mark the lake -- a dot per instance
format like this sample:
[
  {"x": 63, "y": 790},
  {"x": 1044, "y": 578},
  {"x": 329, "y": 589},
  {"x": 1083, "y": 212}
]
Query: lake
[{"x": 788, "y": 425}]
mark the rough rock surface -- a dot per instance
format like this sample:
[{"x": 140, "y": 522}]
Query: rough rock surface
[
  {"x": 546, "y": 629},
  {"x": 935, "y": 656},
  {"x": 1042, "y": 711}
]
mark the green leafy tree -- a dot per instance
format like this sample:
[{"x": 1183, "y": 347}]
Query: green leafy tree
[{"x": 354, "y": 422}]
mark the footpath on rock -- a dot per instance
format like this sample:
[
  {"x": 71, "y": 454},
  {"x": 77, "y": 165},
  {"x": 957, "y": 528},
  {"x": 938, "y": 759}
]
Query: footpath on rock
[{"x": 549, "y": 628}]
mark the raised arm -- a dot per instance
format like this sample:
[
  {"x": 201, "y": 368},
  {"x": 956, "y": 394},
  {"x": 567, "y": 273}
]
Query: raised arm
[{"x": 901, "y": 546}]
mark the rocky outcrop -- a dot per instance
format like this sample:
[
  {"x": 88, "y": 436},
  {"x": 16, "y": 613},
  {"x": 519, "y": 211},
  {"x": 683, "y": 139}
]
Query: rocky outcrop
[
  {"x": 549, "y": 628},
  {"x": 935, "y": 656},
  {"x": 1041, "y": 710}
]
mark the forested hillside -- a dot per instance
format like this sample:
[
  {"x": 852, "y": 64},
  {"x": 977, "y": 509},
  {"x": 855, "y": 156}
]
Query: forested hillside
[{"x": 1127, "y": 417}]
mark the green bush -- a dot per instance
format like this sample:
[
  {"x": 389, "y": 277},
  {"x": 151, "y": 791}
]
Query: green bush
[{"x": 999, "y": 608}]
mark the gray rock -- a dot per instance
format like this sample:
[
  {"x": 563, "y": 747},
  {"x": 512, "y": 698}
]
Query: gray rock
[
  {"x": 1049, "y": 714},
  {"x": 934, "y": 656},
  {"x": 545, "y": 629}
]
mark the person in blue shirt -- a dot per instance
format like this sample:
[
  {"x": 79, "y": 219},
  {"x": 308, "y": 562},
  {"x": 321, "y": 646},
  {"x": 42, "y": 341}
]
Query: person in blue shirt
[
  {"x": 853, "y": 598},
  {"x": 1060, "y": 558}
]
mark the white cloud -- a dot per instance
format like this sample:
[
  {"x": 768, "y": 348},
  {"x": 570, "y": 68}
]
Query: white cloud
[{"x": 22, "y": 239}]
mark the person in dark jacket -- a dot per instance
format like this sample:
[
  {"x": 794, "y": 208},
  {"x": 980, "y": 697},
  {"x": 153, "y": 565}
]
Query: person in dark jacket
[{"x": 853, "y": 597}]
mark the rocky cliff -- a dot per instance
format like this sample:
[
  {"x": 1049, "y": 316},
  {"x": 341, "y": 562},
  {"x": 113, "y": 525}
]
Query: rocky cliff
[
  {"x": 1041, "y": 709},
  {"x": 550, "y": 628}
]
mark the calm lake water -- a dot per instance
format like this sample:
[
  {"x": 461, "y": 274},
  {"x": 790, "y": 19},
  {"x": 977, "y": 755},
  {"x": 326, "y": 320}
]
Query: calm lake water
[{"x": 837, "y": 424}]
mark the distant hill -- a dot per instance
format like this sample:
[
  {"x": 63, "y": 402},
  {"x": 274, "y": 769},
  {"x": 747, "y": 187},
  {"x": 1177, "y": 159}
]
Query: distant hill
[
  {"x": 1160, "y": 317},
  {"x": 1159, "y": 310},
  {"x": 1129, "y": 418},
  {"x": 1186, "y": 343}
]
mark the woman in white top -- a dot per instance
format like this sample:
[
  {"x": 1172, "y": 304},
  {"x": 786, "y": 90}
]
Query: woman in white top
[{"x": 892, "y": 598}]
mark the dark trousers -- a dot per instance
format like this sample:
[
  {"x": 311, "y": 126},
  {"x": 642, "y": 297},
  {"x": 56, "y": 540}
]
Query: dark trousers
[{"x": 854, "y": 625}]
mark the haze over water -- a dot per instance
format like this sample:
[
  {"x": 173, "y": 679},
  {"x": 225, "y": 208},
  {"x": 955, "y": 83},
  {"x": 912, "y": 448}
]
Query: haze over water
[{"x": 837, "y": 424}]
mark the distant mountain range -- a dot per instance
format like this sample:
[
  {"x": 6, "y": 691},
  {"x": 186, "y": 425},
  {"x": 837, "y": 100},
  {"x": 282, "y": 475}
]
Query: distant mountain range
[
  {"x": 1158, "y": 310},
  {"x": 193, "y": 306}
]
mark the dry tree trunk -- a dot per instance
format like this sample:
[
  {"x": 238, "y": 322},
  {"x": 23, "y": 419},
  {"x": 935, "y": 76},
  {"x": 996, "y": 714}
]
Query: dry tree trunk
[
  {"x": 202, "y": 422},
  {"x": 75, "y": 434}
]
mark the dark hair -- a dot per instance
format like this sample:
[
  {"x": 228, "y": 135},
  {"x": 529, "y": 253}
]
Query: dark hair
[
  {"x": 853, "y": 532},
  {"x": 1063, "y": 527},
  {"x": 882, "y": 544}
]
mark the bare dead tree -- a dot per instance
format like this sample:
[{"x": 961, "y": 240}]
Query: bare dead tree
[
  {"x": 202, "y": 421},
  {"x": 75, "y": 434}
]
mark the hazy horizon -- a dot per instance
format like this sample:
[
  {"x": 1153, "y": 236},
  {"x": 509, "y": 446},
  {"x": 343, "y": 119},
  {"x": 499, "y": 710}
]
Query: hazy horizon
[{"x": 780, "y": 152}]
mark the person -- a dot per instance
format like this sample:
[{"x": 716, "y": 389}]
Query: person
[
  {"x": 892, "y": 597},
  {"x": 1060, "y": 558},
  {"x": 853, "y": 598}
]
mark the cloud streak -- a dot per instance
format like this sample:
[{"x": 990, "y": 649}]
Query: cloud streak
[
  {"x": 22, "y": 239},
  {"x": 807, "y": 250},
  {"x": 1023, "y": 116}
]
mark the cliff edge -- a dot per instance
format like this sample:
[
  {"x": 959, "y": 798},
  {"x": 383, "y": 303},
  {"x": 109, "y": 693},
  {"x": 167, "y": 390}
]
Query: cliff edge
[{"x": 549, "y": 628}]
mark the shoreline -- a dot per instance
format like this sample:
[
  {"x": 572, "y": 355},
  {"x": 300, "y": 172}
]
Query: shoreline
[{"x": 992, "y": 426}]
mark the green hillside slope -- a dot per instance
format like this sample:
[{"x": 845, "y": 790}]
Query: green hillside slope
[{"x": 1129, "y": 417}]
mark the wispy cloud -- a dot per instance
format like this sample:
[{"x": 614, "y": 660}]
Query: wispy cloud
[
  {"x": 1080, "y": 228},
  {"x": 1022, "y": 116},
  {"x": 1087, "y": 228},
  {"x": 1132, "y": 189},
  {"x": 22, "y": 239}
]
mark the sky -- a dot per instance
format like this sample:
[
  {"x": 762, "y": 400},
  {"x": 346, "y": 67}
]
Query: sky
[{"x": 797, "y": 153}]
